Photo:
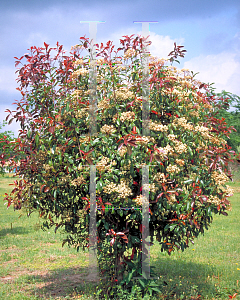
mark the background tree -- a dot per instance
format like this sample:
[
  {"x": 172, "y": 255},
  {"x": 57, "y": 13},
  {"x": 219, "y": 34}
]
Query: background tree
[
  {"x": 7, "y": 136},
  {"x": 186, "y": 147}
]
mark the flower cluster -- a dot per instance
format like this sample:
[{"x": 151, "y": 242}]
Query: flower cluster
[
  {"x": 172, "y": 198},
  {"x": 78, "y": 181},
  {"x": 172, "y": 169},
  {"x": 129, "y": 53},
  {"x": 108, "y": 129},
  {"x": 160, "y": 177},
  {"x": 64, "y": 179},
  {"x": 81, "y": 71},
  {"x": 101, "y": 165},
  {"x": 128, "y": 115},
  {"x": 122, "y": 189},
  {"x": 158, "y": 127},
  {"x": 180, "y": 147},
  {"x": 77, "y": 93},
  {"x": 214, "y": 200},
  {"x": 183, "y": 123},
  {"x": 140, "y": 200},
  {"x": 123, "y": 94},
  {"x": 145, "y": 140},
  {"x": 79, "y": 62},
  {"x": 122, "y": 151},
  {"x": 47, "y": 167},
  {"x": 219, "y": 178},
  {"x": 180, "y": 162}
]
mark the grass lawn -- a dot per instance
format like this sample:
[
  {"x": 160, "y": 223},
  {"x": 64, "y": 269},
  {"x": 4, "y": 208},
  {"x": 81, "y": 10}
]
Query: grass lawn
[{"x": 35, "y": 266}]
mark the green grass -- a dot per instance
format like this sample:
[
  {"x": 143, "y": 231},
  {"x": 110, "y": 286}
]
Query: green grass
[{"x": 35, "y": 266}]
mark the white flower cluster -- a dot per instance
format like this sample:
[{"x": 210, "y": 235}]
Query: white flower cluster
[
  {"x": 64, "y": 179},
  {"x": 81, "y": 71},
  {"x": 228, "y": 191},
  {"x": 150, "y": 187},
  {"x": 77, "y": 93},
  {"x": 172, "y": 198},
  {"x": 183, "y": 123},
  {"x": 128, "y": 115},
  {"x": 140, "y": 199},
  {"x": 82, "y": 113},
  {"x": 129, "y": 53},
  {"x": 122, "y": 189},
  {"x": 168, "y": 150},
  {"x": 160, "y": 177},
  {"x": 158, "y": 127},
  {"x": 145, "y": 140},
  {"x": 180, "y": 162},
  {"x": 180, "y": 147},
  {"x": 122, "y": 151},
  {"x": 219, "y": 178},
  {"x": 214, "y": 200},
  {"x": 172, "y": 169},
  {"x": 172, "y": 137},
  {"x": 108, "y": 129},
  {"x": 102, "y": 163},
  {"x": 123, "y": 94},
  {"x": 203, "y": 130},
  {"x": 47, "y": 167},
  {"x": 78, "y": 62},
  {"x": 78, "y": 181},
  {"x": 103, "y": 104}
]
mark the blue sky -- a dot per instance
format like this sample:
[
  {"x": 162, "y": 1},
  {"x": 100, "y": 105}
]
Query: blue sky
[{"x": 208, "y": 29}]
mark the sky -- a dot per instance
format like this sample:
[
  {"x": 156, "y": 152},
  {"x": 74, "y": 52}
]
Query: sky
[{"x": 208, "y": 29}]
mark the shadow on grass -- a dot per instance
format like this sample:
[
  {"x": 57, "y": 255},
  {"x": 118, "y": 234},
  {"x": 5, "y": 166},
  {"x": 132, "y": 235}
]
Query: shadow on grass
[
  {"x": 66, "y": 282},
  {"x": 60, "y": 283},
  {"x": 13, "y": 231}
]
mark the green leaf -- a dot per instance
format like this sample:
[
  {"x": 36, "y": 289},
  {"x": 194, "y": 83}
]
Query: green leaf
[
  {"x": 144, "y": 275},
  {"x": 132, "y": 170},
  {"x": 188, "y": 181},
  {"x": 37, "y": 139},
  {"x": 142, "y": 283},
  {"x": 156, "y": 289}
]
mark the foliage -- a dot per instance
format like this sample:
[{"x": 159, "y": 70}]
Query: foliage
[
  {"x": 186, "y": 152},
  {"x": 231, "y": 118},
  {"x": 8, "y": 136}
]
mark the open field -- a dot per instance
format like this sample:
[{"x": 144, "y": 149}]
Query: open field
[{"x": 35, "y": 266}]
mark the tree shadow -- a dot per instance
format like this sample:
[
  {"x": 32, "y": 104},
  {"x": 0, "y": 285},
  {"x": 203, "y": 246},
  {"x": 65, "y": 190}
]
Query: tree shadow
[
  {"x": 15, "y": 230},
  {"x": 64, "y": 282}
]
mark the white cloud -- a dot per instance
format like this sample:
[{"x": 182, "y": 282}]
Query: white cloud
[
  {"x": 162, "y": 45},
  {"x": 222, "y": 69}
]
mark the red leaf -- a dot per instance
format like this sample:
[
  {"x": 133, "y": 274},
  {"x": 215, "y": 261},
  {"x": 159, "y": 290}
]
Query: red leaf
[
  {"x": 46, "y": 189},
  {"x": 42, "y": 187},
  {"x": 84, "y": 198},
  {"x": 224, "y": 213},
  {"x": 112, "y": 241},
  {"x": 233, "y": 296},
  {"x": 52, "y": 129}
]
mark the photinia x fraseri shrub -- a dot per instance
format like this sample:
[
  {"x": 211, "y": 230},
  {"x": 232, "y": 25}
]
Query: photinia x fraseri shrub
[{"x": 186, "y": 151}]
